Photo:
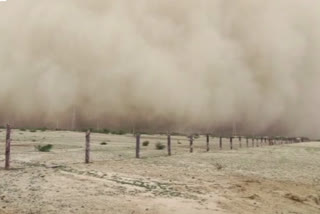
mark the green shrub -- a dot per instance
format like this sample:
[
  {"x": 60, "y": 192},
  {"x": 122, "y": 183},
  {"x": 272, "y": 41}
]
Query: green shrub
[
  {"x": 33, "y": 130},
  {"x": 105, "y": 131},
  {"x": 45, "y": 148},
  {"x": 103, "y": 143},
  {"x": 23, "y": 130},
  {"x": 43, "y": 129},
  {"x": 145, "y": 143},
  {"x": 118, "y": 132},
  {"x": 160, "y": 146},
  {"x": 196, "y": 136}
]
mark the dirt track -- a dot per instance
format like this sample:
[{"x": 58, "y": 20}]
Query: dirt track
[{"x": 273, "y": 179}]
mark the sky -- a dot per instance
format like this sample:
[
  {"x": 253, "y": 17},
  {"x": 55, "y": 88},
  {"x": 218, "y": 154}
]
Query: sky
[{"x": 162, "y": 65}]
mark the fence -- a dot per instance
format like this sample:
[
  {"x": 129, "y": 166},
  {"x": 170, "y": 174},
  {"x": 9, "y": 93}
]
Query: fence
[{"x": 191, "y": 143}]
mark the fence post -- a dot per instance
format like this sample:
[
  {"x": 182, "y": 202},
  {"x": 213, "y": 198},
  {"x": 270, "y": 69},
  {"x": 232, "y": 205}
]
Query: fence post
[
  {"x": 208, "y": 146},
  {"x": 87, "y": 160},
  {"x": 240, "y": 143},
  {"x": 220, "y": 143},
  {"x": 169, "y": 144},
  {"x": 231, "y": 143},
  {"x": 8, "y": 145},
  {"x": 137, "y": 145},
  {"x": 191, "y": 144},
  {"x": 252, "y": 142},
  {"x": 247, "y": 142}
]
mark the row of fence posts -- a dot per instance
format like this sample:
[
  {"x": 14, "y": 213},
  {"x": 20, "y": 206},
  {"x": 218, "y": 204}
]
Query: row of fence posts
[
  {"x": 138, "y": 140},
  {"x": 255, "y": 143}
]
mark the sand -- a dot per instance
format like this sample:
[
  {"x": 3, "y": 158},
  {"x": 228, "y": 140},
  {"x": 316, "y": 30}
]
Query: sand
[{"x": 269, "y": 179}]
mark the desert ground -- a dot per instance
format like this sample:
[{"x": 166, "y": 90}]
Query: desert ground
[{"x": 279, "y": 179}]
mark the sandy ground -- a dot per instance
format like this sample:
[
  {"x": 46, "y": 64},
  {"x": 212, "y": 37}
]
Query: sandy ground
[{"x": 270, "y": 179}]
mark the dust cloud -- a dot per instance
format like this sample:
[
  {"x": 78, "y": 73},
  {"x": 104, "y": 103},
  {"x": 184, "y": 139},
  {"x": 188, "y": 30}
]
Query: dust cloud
[{"x": 162, "y": 65}]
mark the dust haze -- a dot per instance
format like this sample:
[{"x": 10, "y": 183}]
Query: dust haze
[{"x": 169, "y": 64}]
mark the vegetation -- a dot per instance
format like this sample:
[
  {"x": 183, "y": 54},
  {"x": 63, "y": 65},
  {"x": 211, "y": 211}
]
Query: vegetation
[
  {"x": 43, "y": 129},
  {"x": 145, "y": 143},
  {"x": 103, "y": 143},
  {"x": 45, "y": 148},
  {"x": 105, "y": 131},
  {"x": 196, "y": 136},
  {"x": 118, "y": 132},
  {"x": 160, "y": 146}
]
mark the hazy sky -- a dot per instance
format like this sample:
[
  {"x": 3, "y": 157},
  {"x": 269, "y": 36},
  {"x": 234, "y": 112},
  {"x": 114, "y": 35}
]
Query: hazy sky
[{"x": 192, "y": 64}]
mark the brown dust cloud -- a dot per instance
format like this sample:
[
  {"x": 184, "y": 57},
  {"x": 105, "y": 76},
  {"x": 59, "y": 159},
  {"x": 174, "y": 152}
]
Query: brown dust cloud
[{"x": 173, "y": 65}]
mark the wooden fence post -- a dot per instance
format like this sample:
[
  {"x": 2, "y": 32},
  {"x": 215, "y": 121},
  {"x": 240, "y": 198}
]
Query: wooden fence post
[
  {"x": 169, "y": 144},
  {"x": 208, "y": 146},
  {"x": 240, "y": 143},
  {"x": 8, "y": 145},
  {"x": 252, "y": 142},
  {"x": 191, "y": 144},
  {"x": 220, "y": 143},
  {"x": 87, "y": 160},
  {"x": 247, "y": 142},
  {"x": 137, "y": 145},
  {"x": 231, "y": 143}
]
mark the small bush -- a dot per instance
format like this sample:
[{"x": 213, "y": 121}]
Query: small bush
[
  {"x": 43, "y": 129},
  {"x": 45, "y": 148},
  {"x": 103, "y": 143},
  {"x": 145, "y": 143},
  {"x": 119, "y": 132},
  {"x": 218, "y": 166},
  {"x": 33, "y": 130},
  {"x": 105, "y": 131},
  {"x": 23, "y": 130},
  {"x": 160, "y": 146},
  {"x": 196, "y": 136}
]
